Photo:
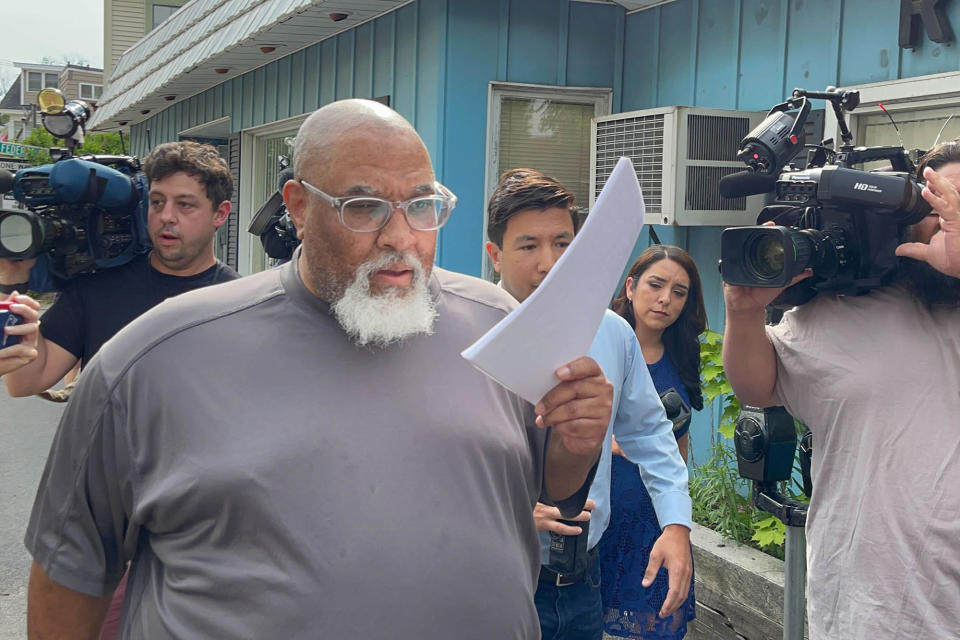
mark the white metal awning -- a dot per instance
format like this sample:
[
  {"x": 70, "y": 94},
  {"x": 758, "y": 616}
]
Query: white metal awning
[{"x": 182, "y": 56}]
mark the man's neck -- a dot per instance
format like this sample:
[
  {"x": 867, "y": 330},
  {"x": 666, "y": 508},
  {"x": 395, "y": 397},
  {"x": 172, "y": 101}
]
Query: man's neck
[{"x": 199, "y": 265}]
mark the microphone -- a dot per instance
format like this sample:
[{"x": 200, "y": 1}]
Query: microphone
[
  {"x": 746, "y": 183},
  {"x": 6, "y": 181}
]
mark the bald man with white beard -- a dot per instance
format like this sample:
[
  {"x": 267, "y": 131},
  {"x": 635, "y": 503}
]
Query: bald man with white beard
[{"x": 303, "y": 453}]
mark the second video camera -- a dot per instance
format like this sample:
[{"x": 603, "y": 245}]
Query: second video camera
[{"x": 842, "y": 222}]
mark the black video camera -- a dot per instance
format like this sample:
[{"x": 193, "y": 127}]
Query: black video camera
[
  {"x": 842, "y": 222},
  {"x": 87, "y": 212},
  {"x": 272, "y": 223}
]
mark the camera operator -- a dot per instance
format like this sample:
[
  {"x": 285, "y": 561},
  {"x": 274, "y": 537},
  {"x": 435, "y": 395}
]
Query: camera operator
[
  {"x": 190, "y": 189},
  {"x": 877, "y": 379}
]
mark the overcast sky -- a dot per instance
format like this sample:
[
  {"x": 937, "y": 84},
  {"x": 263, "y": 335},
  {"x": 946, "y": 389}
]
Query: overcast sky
[{"x": 58, "y": 29}]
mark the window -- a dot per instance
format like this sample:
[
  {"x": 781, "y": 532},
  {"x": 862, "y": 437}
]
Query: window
[
  {"x": 90, "y": 91},
  {"x": 37, "y": 80},
  {"x": 544, "y": 127},
  {"x": 161, "y": 12}
]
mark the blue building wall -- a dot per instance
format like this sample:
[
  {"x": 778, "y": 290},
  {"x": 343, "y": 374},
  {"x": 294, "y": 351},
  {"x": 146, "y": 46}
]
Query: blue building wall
[{"x": 435, "y": 58}]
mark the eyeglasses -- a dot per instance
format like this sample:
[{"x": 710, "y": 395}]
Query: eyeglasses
[{"x": 365, "y": 213}]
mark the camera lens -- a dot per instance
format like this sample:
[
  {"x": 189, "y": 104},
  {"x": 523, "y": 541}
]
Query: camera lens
[{"x": 766, "y": 256}]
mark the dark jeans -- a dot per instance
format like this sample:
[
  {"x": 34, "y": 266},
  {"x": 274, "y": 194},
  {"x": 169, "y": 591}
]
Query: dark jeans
[{"x": 572, "y": 612}]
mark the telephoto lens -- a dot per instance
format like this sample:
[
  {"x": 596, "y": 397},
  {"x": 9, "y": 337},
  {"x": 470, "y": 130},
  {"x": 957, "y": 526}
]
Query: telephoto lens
[{"x": 771, "y": 256}]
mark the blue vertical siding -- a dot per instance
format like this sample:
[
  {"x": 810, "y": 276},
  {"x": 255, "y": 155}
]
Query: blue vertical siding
[
  {"x": 717, "y": 43},
  {"x": 363, "y": 69},
  {"x": 473, "y": 50},
  {"x": 534, "y": 42}
]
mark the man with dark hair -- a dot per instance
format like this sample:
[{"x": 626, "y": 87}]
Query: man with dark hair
[
  {"x": 531, "y": 219},
  {"x": 190, "y": 189},
  {"x": 877, "y": 379},
  {"x": 303, "y": 453}
]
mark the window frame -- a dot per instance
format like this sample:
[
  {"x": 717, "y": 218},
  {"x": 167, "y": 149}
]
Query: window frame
[
  {"x": 600, "y": 97},
  {"x": 250, "y": 144},
  {"x": 152, "y": 14},
  {"x": 34, "y": 73},
  {"x": 92, "y": 85}
]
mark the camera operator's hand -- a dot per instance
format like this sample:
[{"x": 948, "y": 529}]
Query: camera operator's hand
[
  {"x": 672, "y": 552},
  {"x": 15, "y": 271},
  {"x": 942, "y": 251},
  {"x": 19, "y": 355},
  {"x": 745, "y": 300},
  {"x": 547, "y": 518}
]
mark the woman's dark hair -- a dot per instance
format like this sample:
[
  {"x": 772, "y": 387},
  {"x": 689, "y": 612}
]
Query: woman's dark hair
[{"x": 681, "y": 339}]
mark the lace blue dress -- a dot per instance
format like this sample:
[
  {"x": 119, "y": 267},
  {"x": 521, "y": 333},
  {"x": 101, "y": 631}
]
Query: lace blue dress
[{"x": 630, "y": 610}]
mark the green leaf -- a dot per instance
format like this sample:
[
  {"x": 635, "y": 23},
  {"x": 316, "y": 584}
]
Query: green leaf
[
  {"x": 769, "y": 532},
  {"x": 711, "y": 371},
  {"x": 726, "y": 430},
  {"x": 731, "y": 412},
  {"x": 712, "y": 338}
]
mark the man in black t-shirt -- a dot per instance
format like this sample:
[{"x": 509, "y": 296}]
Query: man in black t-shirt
[{"x": 190, "y": 189}]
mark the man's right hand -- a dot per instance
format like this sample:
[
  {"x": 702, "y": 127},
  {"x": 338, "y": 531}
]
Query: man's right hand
[
  {"x": 22, "y": 354},
  {"x": 15, "y": 271},
  {"x": 547, "y": 518}
]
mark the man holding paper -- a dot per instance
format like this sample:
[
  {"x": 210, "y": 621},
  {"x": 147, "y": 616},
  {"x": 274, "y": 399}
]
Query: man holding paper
[
  {"x": 303, "y": 453},
  {"x": 531, "y": 221}
]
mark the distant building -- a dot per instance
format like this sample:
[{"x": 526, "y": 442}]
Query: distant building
[
  {"x": 19, "y": 103},
  {"x": 125, "y": 22}
]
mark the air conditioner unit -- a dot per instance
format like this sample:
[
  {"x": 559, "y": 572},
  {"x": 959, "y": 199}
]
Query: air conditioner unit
[{"x": 680, "y": 154}]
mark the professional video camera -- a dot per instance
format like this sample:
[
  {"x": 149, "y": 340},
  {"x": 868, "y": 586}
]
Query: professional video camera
[
  {"x": 842, "y": 222},
  {"x": 87, "y": 212},
  {"x": 272, "y": 222}
]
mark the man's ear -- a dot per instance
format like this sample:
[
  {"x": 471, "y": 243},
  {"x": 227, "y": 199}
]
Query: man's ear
[
  {"x": 221, "y": 214},
  {"x": 495, "y": 253},
  {"x": 295, "y": 198}
]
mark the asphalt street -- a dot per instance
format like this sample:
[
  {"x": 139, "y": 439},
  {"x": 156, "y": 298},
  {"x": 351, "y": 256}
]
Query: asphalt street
[{"x": 27, "y": 426}]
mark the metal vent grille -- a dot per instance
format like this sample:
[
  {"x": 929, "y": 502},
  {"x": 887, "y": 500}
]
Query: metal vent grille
[
  {"x": 641, "y": 140},
  {"x": 703, "y": 190},
  {"x": 715, "y": 137}
]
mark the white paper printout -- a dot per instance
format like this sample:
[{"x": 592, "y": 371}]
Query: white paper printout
[{"x": 559, "y": 320}]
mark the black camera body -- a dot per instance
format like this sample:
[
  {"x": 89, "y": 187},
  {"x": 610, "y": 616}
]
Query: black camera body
[
  {"x": 765, "y": 440},
  {"x": 272, "y": 223},
  {"x": 568, "y": 554},
  {"x": 842, "y": 222},
  {"x": 86, "y": 212}
]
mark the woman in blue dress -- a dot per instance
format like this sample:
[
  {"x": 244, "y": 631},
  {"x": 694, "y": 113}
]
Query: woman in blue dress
[{"x": 662, "y": 299}]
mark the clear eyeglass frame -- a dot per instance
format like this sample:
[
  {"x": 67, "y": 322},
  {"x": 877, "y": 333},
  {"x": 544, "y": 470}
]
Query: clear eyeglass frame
[{"x": 442, "y": 203}]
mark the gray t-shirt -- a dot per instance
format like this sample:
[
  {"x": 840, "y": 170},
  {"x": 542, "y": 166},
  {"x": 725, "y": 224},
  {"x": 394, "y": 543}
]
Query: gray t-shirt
[
  {"x": 268, "y": 479},
  {"x": 877, "y": 380}
]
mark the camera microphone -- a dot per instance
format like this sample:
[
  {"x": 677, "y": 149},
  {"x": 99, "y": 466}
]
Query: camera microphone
[
  {"x": 6, "y": 181},
  {"x": 746, "y": 183}
]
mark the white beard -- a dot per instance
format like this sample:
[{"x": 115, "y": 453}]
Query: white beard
[{"x": 379, "y": 320}]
